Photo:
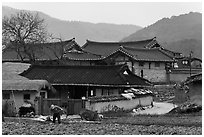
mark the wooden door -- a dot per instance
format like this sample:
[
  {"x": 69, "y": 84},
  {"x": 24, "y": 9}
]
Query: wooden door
[{"x": 75, "y": 106}]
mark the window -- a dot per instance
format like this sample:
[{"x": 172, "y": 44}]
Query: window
[
  {"x": 26, "y": 96},
  {"x": 185, "y": 62},
  {"x": 6, "y": 96},
  {"x": 111, "y": 92},
  {"x": 43, "y": 94},
  {"x": 175, "y": 65},
  {"x": 141, "y": 73},
  {"x": 149, "y": 65},
  {"x": 141, "y": 64},
  {"x": 157, "y": 64},
  {"x": 105, "y": 92}
]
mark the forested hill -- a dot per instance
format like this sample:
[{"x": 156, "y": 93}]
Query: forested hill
[{"x": 180, "y": 33}]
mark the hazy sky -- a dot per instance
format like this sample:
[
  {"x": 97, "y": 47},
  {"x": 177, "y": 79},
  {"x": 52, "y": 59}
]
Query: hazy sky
[{"x": 136, "y": 13}]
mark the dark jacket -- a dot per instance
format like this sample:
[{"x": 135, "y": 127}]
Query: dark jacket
[{"x": 56, "y": 109}]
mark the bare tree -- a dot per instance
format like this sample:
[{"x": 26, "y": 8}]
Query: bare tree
[
  {"x": 22, "y": 31},
  {"x": 59, "y": 47}
]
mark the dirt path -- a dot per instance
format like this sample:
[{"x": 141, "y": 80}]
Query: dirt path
[{"x": 158, "y": 108}]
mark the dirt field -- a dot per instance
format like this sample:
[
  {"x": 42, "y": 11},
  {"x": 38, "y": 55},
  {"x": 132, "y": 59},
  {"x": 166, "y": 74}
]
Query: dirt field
[{"x": 138, "y": 125}]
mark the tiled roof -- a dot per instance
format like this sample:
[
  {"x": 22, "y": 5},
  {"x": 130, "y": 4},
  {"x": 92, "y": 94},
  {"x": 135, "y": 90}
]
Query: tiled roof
[
  {"x": 48, "y": 51},
  {"x": 194, "y": 78},
  {"x": 186, "y": 71},
  {"x": 86, "y": 75},
  {"x": 81, "y": 55},
  {"x": 173, "y": 54},
  {"x": 144, "y": 54},
  {"x": 106, "y": 48}
]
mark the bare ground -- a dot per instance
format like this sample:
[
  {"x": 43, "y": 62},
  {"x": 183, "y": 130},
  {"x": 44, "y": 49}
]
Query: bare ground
[{"x": 138, "y": 125}]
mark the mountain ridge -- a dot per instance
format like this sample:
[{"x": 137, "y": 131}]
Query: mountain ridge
[
  {"x": 174, "y": 32},
  {"x": 66, "y": 29}
]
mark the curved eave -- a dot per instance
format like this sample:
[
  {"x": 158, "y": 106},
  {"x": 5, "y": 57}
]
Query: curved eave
[
  {"x": 134, "y": 58},
  {"x": 151, "y": 60},
  {"x": 83, "y": 59},
  {"x": 120, "y": 49},
  {"x": 101, "y": 85}
]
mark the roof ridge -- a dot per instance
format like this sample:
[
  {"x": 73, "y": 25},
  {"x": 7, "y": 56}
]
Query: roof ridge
[
  {"x": 171, "y": 51},
  {"x": 117, "y": 42},
  {"x": 76, "y": 66},
  {"x": 145, "y": 49},
  {"x": 166, "y": 54},
  {"x": 88, "y": 52},
  {"x": 70, "y": 40}
]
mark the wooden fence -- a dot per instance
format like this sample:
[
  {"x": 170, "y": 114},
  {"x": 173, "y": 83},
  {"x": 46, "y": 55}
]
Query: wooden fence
[
  {"x": 71, "y": 106},
  {"x": 75, "y": 106}
]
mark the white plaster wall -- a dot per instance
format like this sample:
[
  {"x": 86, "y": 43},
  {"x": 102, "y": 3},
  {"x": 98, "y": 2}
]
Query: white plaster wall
[
  {"x": 146, "y": 65},
  {"x": 123, "y": 104},
  {"x": 18, "y": 97},
  {"x": 154, "y": 74}
]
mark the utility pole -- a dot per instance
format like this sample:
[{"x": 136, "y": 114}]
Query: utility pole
[{"x": 191, "y": 52}]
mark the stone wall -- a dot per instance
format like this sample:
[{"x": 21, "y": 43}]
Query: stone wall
[
  {"x": 118, "y": 105},
  {"x": 163, "y": 93}
]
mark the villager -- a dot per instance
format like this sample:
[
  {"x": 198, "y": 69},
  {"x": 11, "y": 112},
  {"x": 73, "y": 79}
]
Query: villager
[{"x": 56, "y": 111}]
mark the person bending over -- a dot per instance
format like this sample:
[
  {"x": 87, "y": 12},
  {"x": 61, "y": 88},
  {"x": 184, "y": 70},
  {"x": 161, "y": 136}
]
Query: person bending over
[{"x": 56, "y": 111}]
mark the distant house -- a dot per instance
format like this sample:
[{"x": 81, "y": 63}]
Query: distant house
[
  {"x": 17, "y": 92},
  {"x": 190, "y": 90},
  {"x": 184, "y": 67},
  {"x": 145, "y": 58},
  {"x": 47, "y": 52},
  {"x": 106, "y": 48},
  {"x": 151, "y": 64}
]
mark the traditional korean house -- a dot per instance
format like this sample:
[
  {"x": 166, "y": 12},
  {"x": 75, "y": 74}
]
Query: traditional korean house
[
  {"x": 145, "y": 58},
  {"x": 77, "y": 82},
  {"x": 185, "y": 67},
  {"x": 84, "y": 81},
  {"x": 106, "y": 48},
  {"x": 151, "y": 64}
]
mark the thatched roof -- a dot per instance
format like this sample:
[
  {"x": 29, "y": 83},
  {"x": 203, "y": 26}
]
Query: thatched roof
[
  {"x": 21, "y": 85},
  {"x": 16, "y": 68},
  {"x": 10, "y": 70}
]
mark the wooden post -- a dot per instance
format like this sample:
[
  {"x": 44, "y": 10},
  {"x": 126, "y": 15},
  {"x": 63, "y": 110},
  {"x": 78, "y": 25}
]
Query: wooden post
[{"x": 87, "y": 92}]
